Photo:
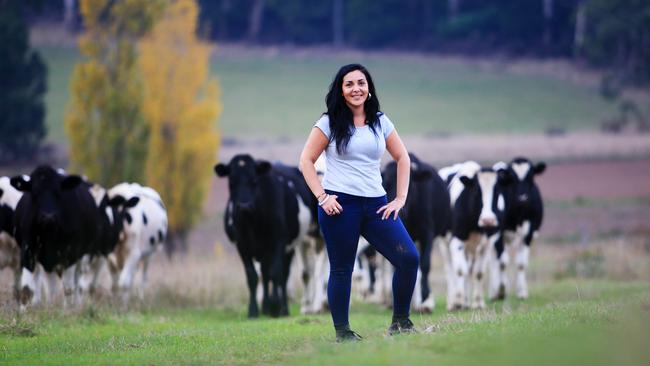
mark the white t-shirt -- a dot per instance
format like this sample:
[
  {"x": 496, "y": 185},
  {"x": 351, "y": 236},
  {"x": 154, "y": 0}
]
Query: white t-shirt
[{"x": 357, "y": 171}]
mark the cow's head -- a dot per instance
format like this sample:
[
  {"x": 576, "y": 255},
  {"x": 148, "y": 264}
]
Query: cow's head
[
  {"x": 419, "y": 173},
  {"x": 243, "y": 177},
  {"x": 523, "y": 172},
  {"x": 485, "y": 195},
  {"x": 46, "y": 186},
  {"x": 119, "y": 215}
]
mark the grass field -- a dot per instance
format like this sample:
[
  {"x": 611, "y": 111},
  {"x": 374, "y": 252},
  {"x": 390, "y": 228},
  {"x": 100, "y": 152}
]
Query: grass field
[
  {"x": 567, "y": 322},
  {"x": 276, "y": 93}
]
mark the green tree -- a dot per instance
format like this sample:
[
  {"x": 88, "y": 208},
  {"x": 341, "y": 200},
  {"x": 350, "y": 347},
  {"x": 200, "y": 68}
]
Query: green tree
[
  {"x": 104, "y": 120},
  {"x": 22, "y": 86}
]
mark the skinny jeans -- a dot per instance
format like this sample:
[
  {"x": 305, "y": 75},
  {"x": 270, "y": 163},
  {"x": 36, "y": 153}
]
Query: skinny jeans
[{"x": 341, "y": 232}]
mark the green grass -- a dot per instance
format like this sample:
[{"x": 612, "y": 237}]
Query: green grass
[
  {"x": 275, "y": 95},
  {"x": 570, "y": 322}
]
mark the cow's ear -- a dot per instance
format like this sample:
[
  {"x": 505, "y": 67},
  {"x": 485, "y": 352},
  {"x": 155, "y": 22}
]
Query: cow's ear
[
  {"x": 262, "y": 167},
  {"x": 467, "y": 182},
  {"x": 21, "y": 184},
  {"x": 222, "y": 170},
  {"x": 132, "y": 202},
  {"x": 420, "y": 175},
  {"x": 70, "y": 182},
  {"x": 539, "y": 168},
  {"x": 116, "y": 201}
]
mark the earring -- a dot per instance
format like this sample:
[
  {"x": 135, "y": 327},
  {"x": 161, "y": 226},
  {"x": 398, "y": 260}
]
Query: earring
[{"x": 369, "y": 96}]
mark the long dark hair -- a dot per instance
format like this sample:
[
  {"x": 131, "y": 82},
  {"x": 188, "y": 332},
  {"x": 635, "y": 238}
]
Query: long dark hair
[{"x": 340, "y": 115}]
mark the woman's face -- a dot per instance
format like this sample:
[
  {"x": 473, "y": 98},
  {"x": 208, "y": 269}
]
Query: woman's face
[{"x": 355, "y": 88}]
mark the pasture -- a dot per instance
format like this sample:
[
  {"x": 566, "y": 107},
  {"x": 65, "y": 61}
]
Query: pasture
[
  {"x": 570, "y": 321},
  {"x": 275, "y": 93}
]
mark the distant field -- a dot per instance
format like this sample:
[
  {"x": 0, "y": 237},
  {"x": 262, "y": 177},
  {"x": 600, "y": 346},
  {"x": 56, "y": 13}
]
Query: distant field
[{"x": 274, "y": 94}]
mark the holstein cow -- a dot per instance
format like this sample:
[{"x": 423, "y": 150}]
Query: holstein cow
[
  {"x": 426, "y": 216},
  {"x": 9, "y": 251},
  {"x": 312, "y": 252},
  {"x": 267, "y": 218},
  {"x": 144, "y": 229},
  {"x": 56, "y": 224},
  {"x": 522, "y": 219},
  {"x": 476, "y": 197},
  {"x": 112, "y": 215}
]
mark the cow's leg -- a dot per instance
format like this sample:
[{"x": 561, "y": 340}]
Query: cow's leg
[
  {"x": 307, "y": 257},
  {"x": 53, "y": 286},
  {"x": 494, "y": 262},
  {"x": 480, "y": 269},
  {"x": 114, "y": 271},
  {"x": 145, "y": 277},
  {"x": 495, "y": 252},
  {"x": 449, "y": 274},
  {"x": 284, "y": 306},
  {"x": 84, "y": 273},
  {"x": 265, "y": 271},
  {"x": 521, "y": 261},
  {"x": 428, "y": 301},
  {"x": 251, "y": 279},
  {"x": 387, "y": 273},
  {"x": 416, "y": 300},
  {"x": 38, "y": 283},
  {"x": 95, "y": 269},
  {"x": 277, "y": 278},
  {"x": 320, "y": 281},
  {"x": 70, "y": 281},
  {"x": 459, "y": 269},
  {"x": 17, "y": 269},
  {"x": 125, "y": 282}
]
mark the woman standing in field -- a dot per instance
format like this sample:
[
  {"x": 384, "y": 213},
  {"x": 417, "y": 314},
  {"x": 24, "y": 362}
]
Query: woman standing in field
[{"x": 354, "y": 135}]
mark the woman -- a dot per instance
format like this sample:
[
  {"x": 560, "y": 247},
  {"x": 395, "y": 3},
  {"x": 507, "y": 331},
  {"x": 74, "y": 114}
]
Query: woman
[{"x": 354, "y": 135}]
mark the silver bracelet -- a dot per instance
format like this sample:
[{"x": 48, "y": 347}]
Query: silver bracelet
[{"x": 324, "y": 200}]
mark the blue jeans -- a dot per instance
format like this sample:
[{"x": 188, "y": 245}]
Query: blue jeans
[{"x": 389, "y": 237}]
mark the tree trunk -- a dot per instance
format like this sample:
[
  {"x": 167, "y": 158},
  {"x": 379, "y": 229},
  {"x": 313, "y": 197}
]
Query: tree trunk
[
  {"x": 337, "y": 22},
  {"x": 255, "y": 24}
]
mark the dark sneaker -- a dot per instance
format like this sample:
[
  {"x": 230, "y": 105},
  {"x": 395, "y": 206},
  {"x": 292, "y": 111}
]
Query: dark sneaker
[
  {"x": 347, "y": 335},
  {"x": 402, "y": 326}
]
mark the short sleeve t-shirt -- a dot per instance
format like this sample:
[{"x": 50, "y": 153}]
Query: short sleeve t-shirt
[{"x": 357, "y": 171}]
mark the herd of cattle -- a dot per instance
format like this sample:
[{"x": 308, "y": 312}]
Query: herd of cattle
[
  {"x": 472, "y": 213},
  {"x": 59, "y": 230}
]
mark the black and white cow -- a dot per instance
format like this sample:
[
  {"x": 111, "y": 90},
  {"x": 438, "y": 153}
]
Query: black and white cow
[
  {"x": 426, "y": 216},
  {"x": 55, "y": 225},
  {"x": 142, "y": 230},
  {"x": 476, "y": 197},
  {"x": 112, "y": 215},
  {"x": 9, "y": 251},
  {"x": 267, "y": 218},
  {"x": 524, "y": 210}
]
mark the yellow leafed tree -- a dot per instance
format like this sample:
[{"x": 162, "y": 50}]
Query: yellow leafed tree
[
  {"x": 181, "y": 106},
  {"x": 104, "y": 120}
]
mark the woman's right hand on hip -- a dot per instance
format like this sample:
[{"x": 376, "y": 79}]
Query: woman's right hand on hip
[{"x": 332, "y": 207}]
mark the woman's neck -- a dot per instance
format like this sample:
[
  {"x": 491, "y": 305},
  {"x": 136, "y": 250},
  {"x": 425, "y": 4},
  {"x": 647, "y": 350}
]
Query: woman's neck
[{"x": 358, "y": 115}]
